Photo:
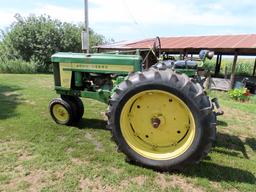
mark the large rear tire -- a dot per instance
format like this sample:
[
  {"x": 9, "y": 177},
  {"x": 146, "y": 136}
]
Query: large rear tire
[{"x": 161, "y": 119}]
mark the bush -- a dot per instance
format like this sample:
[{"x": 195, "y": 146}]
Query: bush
[
  {"x": 17, "y": 66},
  {"x": 34, "y": 39},
  {"x": 241, "y": 94}
]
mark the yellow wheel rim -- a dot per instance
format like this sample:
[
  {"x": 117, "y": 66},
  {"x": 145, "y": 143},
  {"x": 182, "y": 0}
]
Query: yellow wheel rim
[
  {"x": 157, "y": 125},
  {"x": 60, "y": 113}
]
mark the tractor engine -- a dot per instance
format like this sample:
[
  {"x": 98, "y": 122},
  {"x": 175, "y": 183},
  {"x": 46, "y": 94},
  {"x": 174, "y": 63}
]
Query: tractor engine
[{"x": 95, "y": 81}]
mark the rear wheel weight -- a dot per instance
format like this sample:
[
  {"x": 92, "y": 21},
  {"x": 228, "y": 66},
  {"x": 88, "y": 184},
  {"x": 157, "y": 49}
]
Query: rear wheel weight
[{"x": 156, "y": 122}]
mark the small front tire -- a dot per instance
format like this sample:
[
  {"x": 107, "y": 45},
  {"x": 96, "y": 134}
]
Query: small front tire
[
  {"x": 77, "y": 105},
  {"x": 62, "y": 111}
]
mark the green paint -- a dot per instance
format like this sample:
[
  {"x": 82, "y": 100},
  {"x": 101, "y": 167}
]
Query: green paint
[
  {"x": 99, "y": 95},
  {"x": 80, "y": 64},
  {"x": 98, "y": 58},
  {"x": 78, "y": 79}
]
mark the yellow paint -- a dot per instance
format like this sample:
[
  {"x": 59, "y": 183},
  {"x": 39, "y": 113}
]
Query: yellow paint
[
  {"x": 176, "y": 130},
  {"x": 65, "y": 76},
  {"x": 60, "y": 113},
  {"x": 103, "y": 67}
]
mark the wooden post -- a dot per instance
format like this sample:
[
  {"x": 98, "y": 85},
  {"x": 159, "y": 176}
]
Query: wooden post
[
  {"x": 217, "y": 62},
  {"x": 218, "y": 65},
  {"x": 233, "y": 72},
  {"x": 254, "y": 68},
  {"x": 226, "y": 72}
]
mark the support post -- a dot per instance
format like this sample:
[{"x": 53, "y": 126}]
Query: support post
[
  {"x": 217, "y": 61},
  {"x": 218, "y": 65},
  {"x": 233, "y": 72},
  {"x": 254, "y": 68}
]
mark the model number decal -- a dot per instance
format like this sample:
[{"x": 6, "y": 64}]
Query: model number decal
[{"x": 98, "y": 67}]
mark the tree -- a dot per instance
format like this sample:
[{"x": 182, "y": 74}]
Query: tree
[{"x": 36, "y": 38}]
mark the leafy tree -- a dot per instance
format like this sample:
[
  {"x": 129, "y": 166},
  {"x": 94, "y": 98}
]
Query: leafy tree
[{"x": 35, "y": 38}]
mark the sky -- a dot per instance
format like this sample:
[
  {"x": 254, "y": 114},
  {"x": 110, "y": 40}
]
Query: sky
[{"x": 139, "y": 19}]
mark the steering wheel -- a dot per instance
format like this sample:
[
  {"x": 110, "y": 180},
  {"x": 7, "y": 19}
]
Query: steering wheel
[
  {"x": 157, "y": 47},
  {"x": 156, "y": 50}
]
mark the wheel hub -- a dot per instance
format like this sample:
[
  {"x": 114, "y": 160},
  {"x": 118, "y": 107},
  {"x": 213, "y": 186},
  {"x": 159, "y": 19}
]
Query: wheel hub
[
  {"x": 60, "y": 112},
  {"x": 155, "y": 122}
]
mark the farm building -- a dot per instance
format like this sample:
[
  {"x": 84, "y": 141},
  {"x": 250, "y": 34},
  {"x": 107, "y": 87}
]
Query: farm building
[{"x": 222, "y": 45}]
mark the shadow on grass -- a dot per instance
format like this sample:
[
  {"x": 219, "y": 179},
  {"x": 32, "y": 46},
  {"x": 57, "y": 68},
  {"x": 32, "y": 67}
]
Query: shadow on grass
[
  {"x": 251, "y": 142},
  {"x": 218, "y": 173},
  {"x": 234, "y": 143},
  {"x": 9, "y": 100},
  {"x": 205, "y": 169},
  {"x": 92, "y": 124}
]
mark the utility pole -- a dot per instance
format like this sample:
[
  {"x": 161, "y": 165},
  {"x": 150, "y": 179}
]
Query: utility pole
[{"x": 85, "y": 33}]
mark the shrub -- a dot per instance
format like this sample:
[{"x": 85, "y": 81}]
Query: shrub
[
  {"x": 241, "y": 94},
  {"x": 34, "y": 39},
  {"x": 17, "y": 66}
]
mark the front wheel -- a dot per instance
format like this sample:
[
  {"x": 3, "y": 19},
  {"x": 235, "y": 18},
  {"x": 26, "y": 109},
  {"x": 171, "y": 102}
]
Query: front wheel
[
  {"x": 62, "y": 111},
  {"x": 161, "y": 119},
  {"x": 77, "y": 105}
]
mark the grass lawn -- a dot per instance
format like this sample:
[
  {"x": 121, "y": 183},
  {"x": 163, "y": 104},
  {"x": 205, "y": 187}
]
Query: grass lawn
[{"x": 38, "y": 155}]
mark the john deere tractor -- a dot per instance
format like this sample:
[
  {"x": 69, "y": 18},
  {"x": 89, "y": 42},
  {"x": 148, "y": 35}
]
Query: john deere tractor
[{"x": 159, "y": 117}]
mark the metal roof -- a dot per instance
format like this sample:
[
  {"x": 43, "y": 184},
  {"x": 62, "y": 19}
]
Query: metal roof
[{"x": 223, "y": 44}]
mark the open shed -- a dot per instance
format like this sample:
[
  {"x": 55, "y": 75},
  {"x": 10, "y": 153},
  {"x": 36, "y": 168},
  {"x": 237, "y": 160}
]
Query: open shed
[{"x": 234, "y": 45}]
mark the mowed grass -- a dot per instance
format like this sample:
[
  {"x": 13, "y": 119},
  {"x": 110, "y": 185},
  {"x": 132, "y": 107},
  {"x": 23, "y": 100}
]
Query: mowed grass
[{"x": 38, "y": 155}]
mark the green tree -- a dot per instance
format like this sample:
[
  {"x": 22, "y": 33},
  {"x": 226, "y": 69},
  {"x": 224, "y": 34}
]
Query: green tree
[{"x": 35, "y": 38}]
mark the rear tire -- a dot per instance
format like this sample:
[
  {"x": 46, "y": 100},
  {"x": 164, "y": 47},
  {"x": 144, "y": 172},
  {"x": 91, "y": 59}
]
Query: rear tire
[{"x": 153, "y": 141}]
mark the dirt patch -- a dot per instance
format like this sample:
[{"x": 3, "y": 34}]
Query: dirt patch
[
  {"x": 95, "y": 185},
  {"x": 19, "y": 169},
  {"x": 97, "y": 144},
  {"x": 124, "y": 184},
  {"x": 25, "y": 156},
  {"x": 60, "y": 174},
  {"x": 20, "y": 149},
  {"x": 115, "y": 170},
  {"x": 78, "y": 161},
  {"x": 69, "y": 150},
  {"x": 176, "y": 181},
  {"x": 140, "y": 180},
  {"x": 218, "y": 187},
  {"x": 35, "y": 180}
]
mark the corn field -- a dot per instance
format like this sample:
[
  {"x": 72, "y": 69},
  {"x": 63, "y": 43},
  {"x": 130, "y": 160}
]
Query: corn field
[{"x": 244, "y": 66}]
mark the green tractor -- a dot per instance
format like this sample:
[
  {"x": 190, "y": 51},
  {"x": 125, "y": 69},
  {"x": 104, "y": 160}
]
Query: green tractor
[{"x": 159, "y": 117}]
